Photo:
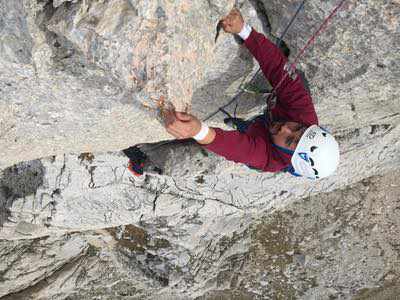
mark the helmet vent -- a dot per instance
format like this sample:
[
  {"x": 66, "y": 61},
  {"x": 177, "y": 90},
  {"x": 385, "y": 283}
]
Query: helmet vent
[
  {"x": 313, "y": 148},
  {"x": 316, "y": 172},
  {"x": 324, "y": 134},
  {"x": 311, "y": 161}
]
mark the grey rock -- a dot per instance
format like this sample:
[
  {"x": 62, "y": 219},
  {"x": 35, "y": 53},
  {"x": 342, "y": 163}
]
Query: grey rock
[
  {"x": 15, "y": 42},
  {"x": 25, "y": 228},
  {"x": 93, "y": 72},
  {"x": 20, "y": 254},
  {"x": 80, "y": 80},
  {"x": 281, "y": 254}
]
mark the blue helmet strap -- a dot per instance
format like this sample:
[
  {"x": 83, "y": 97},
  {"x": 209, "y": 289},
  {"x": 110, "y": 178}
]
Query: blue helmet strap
[
  {"x": 284, "y": 150},
  {"x": 289, "y": 168}
]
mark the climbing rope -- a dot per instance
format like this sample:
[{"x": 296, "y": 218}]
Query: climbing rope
[
  {"x": 290, "y": 67},
  {"x": 278, "y": 44},
  {"x": 241, "y": 91},
  {"x": 290, "y": 23}
]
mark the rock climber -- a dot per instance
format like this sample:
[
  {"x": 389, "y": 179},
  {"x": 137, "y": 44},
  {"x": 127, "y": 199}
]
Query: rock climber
[{"x": 288, "y": 138}]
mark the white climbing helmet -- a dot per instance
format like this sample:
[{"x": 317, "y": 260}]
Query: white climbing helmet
[{"x": 317, "y": 153}]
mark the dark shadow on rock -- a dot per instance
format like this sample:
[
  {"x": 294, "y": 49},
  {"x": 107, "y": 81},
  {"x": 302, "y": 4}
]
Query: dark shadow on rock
[
  {"x": 216, "y": 89},
  {"x": 262, "y": 15},
  {"x": 212, "y": 95},
  {"x": 68, "y": 58},
  {"x": 19, "y": 181},
  {"x": 304, "y": 79},
  {"x": 178, "y": 158}
]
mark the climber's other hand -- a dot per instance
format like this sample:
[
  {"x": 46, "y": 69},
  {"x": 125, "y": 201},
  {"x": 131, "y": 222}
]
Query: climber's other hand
[
  {"x": 182, "y": 125},
  {"x": 233, "y": 22}
]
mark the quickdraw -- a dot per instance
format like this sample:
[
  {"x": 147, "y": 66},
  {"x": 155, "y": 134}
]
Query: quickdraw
[{"x": 290, "y": 68}]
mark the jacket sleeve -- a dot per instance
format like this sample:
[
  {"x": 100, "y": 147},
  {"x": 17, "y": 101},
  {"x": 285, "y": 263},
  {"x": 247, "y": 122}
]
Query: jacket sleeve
[
  {"x": 292, "y": 96},
  {"x": 240, "y": 147}
]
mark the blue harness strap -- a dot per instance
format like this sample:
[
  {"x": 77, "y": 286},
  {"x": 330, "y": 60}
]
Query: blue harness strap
[{"x": 289, "y": 168}]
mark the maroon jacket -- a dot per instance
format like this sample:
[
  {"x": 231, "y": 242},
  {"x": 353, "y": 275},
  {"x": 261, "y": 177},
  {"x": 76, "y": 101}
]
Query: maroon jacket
[{"x": 254, "y": 148}]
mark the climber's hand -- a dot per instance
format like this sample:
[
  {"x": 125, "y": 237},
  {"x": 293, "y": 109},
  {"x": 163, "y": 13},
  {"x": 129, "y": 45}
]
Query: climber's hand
[
  {"x": 181, "y": 125},
  {"x": 233, "y": 22}
]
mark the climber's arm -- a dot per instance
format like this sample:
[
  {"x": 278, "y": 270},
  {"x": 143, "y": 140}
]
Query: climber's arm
[
  {"x": 233, "y": 145},
  {"x": 293, "y": 98},
  {"x": 240, "y": 147},
  {"x": 269, "y": 56},
  {"x": 291, "y": 93}
]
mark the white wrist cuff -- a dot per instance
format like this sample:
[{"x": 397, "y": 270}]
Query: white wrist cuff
[
  {"x": 202, "y": 133},
  {"x": 245, "y": 32}
]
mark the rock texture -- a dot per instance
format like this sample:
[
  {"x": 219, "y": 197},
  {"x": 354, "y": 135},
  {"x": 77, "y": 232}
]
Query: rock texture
[
  {"x": 81, "y": 79},
  {"x": 341, "y": 245},
  {"x": 87, "y": 75},
  {"x": 82, "y": 76}
]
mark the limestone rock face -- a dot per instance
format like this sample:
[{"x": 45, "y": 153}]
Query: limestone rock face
[
  {"x": 87, "y": 75},
  {"x": 82, "y": 76},
  {"x": 342, "y": 244},
  {"x": 82, "y": 79}
]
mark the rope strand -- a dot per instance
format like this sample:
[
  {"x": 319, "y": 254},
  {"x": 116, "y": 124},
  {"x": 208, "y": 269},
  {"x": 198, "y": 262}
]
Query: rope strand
[
  {"x": 291, "y": 66},
  {"x": 310, "y": 41},
  {"x": 279, "y": 41}
]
